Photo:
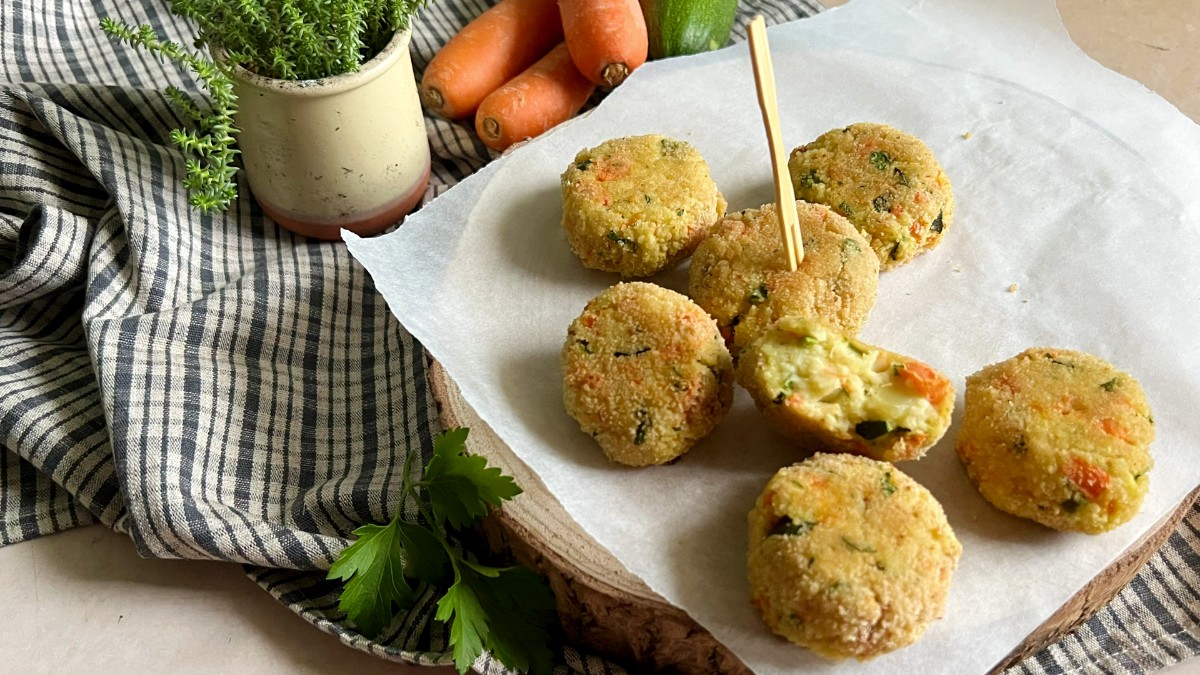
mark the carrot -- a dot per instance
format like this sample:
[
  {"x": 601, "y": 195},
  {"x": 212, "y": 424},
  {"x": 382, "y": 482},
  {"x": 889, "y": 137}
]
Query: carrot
[
  {"x": 1115, "y": 429},
  {"x": 925, "y": 381},
  {"x": 486, "y": 53},
  {"x": 549, "y": 92},
  {"x": 607, "y": 38},
  {"x": 1091, "y": 480}
]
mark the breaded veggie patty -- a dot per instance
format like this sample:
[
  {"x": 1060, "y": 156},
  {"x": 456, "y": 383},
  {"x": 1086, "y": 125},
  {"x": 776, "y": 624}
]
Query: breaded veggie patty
[
  {"x": 1057, "y": 436},
  {"x": 740, "y": 276},
  {"x": 886, "y": 182},
  {"x": 646, "y": 373},
  {"x": 638, "y": 205},
  {"x": 849, "y": 557},
  {"x": 829, "y": 392}
]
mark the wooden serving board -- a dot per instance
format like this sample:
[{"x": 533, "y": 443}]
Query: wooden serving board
[{"x": 607, "y": 609}]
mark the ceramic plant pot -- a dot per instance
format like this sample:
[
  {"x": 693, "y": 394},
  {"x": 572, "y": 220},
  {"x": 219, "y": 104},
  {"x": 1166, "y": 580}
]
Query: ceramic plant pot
[{"x": 347, "y": 151}]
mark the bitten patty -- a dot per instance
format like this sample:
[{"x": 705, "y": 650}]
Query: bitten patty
[
  {"x": 740, "y": 276},
  {"x": 646, "y": 373},
  {"x": 886, "y": 182},
  {"x": 829, "y": 392},
  {"x": 1060, "y": 437},
  {"x": 638, "y": 205},
  {"x": 849, "y": 557}
]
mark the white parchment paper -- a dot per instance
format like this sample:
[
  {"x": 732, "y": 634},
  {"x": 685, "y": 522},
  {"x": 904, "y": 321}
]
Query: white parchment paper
[{"x": 1076, "y": 184}]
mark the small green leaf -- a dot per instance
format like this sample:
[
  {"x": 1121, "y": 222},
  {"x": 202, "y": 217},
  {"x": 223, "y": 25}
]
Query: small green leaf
[
  {"x": 810, "y": 179},
  {"x": 1051, "y": 359},
  {"x": 882, "y": 203},
  {"x": 1111, "y": 385},
  {"x": 791, "y": 528},
  {"x": 1072, "y": 504},
  {"x": 508, "y": 610},
  {"x": 880, "y": 160},
  {"x": 850, "y": 247},
  {"x": 427, "y": 560},
  {"x": 584, "y": 165},
  {"x": 461, "y": 486},
  {"x": 889, "y": 485},
  {"x": 936, "y": 226},
  {"x": 460, "y": 607},
  {"x": 637, "y": 352},
  {"x": 624, "y": 241},
  {"x": 373, "y": 569},
  {"x": 481, "y": 569},
  {"x": 643, "y": 427},
  {"x": 872, "y": 429},
  {"x": 521, "y": 608},
  {"x": 452, "y": 441}
]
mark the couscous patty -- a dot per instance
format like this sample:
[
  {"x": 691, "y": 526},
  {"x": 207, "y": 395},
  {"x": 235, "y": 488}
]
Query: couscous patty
[
  {"x": 849, "y": 557},
  {"x": 740, "y": 275},
  {"x": 639, "y": 204},
  {"x": 888, "y": 183},
  {"x": 646, "y": 373},
  {"x": 829, "y": 392},
  {"x": 1060, "y": 437}
]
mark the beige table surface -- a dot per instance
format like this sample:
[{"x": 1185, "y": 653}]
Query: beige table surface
[{"x": 82, "y": 601}]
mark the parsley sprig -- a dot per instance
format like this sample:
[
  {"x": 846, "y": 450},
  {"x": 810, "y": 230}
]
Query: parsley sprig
[{"x": 506, "y": 610}]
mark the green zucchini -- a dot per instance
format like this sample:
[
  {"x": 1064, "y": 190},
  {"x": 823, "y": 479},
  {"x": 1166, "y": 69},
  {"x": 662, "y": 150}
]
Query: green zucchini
[{"x": 679, "y": 27}]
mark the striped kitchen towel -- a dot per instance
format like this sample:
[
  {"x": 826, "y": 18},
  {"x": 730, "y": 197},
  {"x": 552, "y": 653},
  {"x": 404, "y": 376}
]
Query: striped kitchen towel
[{"x": 218, "y": 388}]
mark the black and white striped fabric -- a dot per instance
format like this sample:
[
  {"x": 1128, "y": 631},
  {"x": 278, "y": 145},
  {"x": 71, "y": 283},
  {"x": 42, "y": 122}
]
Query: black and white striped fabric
[{"x": 217, "y": 388}]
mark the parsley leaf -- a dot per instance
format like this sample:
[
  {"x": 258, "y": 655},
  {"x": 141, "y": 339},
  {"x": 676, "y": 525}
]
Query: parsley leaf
[
  {"x": 889, "y": 485},
  {"x": 374, "y": 566},
  {"x": 519, "y": 596},
  {"x": 527, "y": 605},
  {"x": 427, "y": 560},
  {"x": 507, "y": 610},
  {"x": 460, "y": 607},
  {"x": 787, "y": 527},
  {"x": 461, "y": 486}
]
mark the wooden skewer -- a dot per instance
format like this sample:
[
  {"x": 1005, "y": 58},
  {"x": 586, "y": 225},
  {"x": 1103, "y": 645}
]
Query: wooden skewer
[{"x": 785, "y": 196}]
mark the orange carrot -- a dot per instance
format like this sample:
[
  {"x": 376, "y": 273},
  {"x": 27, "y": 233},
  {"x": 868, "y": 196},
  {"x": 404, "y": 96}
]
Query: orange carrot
[
  {"x": 549, "y": 92},
  {"x": 607, "y": 38},
  {"x": 1115, "y": 429},
  {"x": 925, "y": 381},
  {"x": 1091, "y": 480},
  {"x": 486, "y": 53}
]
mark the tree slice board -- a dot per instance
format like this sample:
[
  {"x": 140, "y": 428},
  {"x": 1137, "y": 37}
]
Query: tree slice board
[{"x": 605, "y": 608}]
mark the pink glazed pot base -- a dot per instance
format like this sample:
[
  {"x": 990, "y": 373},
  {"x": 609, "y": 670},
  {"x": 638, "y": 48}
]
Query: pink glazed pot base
[{"x": 364, "y": 225}]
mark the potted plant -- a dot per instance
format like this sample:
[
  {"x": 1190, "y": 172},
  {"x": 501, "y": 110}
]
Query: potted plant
[{"x": 328, "y": 121}]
